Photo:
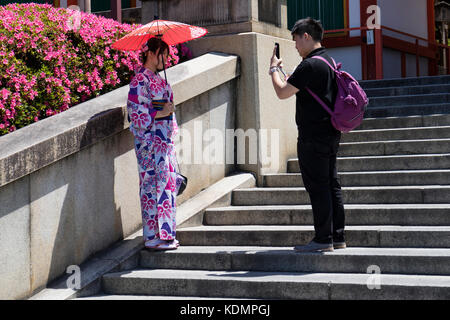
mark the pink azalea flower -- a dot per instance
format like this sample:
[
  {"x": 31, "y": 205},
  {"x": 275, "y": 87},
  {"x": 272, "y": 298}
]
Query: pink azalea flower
[{"x": 34, "y": 27}]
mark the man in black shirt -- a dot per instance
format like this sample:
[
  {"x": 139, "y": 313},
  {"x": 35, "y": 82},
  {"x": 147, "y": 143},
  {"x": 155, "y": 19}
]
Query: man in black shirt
[{"x": 318, "y": 140}]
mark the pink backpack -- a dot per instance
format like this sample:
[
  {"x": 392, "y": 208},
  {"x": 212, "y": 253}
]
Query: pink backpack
[{"x": 351, "y": 100}]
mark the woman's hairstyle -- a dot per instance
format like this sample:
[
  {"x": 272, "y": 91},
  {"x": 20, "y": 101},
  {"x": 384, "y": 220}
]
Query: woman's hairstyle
[
  {"x": 310, "y": 26},
  {"x": 153, "y": 44}
]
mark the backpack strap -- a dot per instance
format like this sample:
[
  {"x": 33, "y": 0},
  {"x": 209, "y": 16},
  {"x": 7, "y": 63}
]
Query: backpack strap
[
  {"x": 325, "y": 60},
  {"x": 323, "y": 104},
  {"x": 315, "y": 96}
]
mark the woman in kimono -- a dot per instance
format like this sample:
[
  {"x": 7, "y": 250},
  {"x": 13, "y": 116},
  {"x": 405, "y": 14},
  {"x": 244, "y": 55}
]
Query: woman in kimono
[{"x": 154, "y": 126}]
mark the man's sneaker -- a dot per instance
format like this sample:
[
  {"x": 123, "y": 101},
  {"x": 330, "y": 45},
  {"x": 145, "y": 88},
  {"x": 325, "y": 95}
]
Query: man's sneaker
[
  {"x": 339, "y": 245},
  {"x": 315, "y": 247}
]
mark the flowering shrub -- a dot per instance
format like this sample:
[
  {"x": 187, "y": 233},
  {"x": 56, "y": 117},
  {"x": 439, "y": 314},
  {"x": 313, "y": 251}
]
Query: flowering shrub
[
  {"x": 50, "y": 62},
  {"x": 184, "y": 53}
]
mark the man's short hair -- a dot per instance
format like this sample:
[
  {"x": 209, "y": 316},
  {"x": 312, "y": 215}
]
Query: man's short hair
[{"x": 310, "y": 26}]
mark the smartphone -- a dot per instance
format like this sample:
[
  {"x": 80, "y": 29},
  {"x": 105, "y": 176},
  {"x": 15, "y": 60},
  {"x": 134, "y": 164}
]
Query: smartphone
[{"x": 277, "y": 50}]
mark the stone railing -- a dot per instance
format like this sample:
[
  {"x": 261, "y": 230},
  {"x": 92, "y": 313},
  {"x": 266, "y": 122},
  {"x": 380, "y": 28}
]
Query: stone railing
[{"x": 69, "y": 184}]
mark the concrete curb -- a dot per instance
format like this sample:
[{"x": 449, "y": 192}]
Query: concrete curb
[
  {"x": 412, "y": 90},
  {"x": 367, "y": 178},
  {"x": 388, "y": 236},
  {"x": 368, "y": 84},
  {"x": 379, "y": 163},
  {"x": 406, "y": 111},
  {"x": 439, "y": 132},
  {"x": 122, "y": 256},
  {"x": 285, "y": 259},
  {"x": 405, "y": 122},
  {"x": 276, "y": 285},
  {"x": 351, "y": 195},
  {"x": 356, "y": 215}
]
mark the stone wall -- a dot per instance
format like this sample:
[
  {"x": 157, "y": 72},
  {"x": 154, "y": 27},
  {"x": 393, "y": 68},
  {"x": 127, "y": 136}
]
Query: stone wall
[
  {"x": 258, "y": 108},
  {"x": 69, "y": 184}
]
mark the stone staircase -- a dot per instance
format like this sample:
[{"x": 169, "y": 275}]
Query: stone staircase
[{"x": 395, "y": 174}]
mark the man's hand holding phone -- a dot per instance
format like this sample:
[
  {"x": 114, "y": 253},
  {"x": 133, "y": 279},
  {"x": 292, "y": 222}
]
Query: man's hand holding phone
[{"x": 276, "y": 61}]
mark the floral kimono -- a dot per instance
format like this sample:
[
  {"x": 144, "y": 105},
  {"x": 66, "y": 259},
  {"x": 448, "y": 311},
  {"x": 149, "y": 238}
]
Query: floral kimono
[{"x": 155, "y": 152}]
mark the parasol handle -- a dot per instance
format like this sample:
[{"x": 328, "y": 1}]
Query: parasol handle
[{"x": 165, "y": 75}]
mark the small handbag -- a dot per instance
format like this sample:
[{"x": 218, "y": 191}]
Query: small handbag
[{"x": 181, "y": 181}]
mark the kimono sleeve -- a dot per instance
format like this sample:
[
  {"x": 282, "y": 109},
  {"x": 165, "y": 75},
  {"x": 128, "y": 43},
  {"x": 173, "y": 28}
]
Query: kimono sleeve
[{"x": 139, "y": 106}]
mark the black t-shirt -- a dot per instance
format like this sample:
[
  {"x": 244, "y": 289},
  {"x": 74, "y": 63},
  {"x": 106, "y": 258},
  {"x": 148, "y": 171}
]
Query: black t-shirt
[{"x": 311, "y": 117}]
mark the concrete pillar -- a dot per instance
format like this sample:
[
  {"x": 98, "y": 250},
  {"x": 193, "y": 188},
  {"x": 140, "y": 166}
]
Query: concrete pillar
[
  {"x": 87, "y": 6},
  {"x": 81, "y": 5},
  {"x": 253, "y": 10},
  {"x": 223, "y": 16},
  {"x": 116, "y": 10},
  {"x": 282, "y": 14},
  {"x": 150, "y": 9},
  {"x": 444, "y": 41}
]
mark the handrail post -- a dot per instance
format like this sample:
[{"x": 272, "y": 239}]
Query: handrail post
[
  {"x": 417, "y": 58},
  {"x": 116, "y": 10},
  {"x": 378, "y": 53},
  {"x": 447, "y": 49},
  {"x": 403, "y": 64}
]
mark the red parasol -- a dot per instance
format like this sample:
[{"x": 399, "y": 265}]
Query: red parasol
[{"x": 171, "y": 32}]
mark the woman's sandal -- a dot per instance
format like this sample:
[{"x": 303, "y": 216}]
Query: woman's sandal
[
  {"x": 158, "y": 244},
  {"x": 153, "y": 244},
  {"x": 168, "y": 245}
]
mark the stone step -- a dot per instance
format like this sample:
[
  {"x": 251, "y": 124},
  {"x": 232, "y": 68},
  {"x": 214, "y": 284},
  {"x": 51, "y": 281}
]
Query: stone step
[
  {"x": 350, "y": 195},
  {"x": 401, "y": 82},
  {"x": 409, "y": 100},
  {"x": 394, "y": 147},
  {"x": 435, "y": 120},
  {"x": 410, "y": 110},
  {"x": 282, "y": 236},
  {"x": 381, "y": 163},
  {"x": 276, "y": 285},
  {"x": 368, "y": 178},
  {"x": 355, "y": 214},
  {"x": 418, "y": 133},
  {"x": 285, "y": 259},
  {"x": 408, "y": 90}
]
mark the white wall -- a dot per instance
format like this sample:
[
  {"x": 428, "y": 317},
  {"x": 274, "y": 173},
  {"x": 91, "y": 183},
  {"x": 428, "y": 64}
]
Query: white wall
[
  {"x": 392, "y": 64},
  {"x": 405, "y": 15},
  {"x": 409, "y": 16},
  {"x": 411, "y": 66},
  {"x": 354, "y": 17},
  {"x": 350, "y": 58}
]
